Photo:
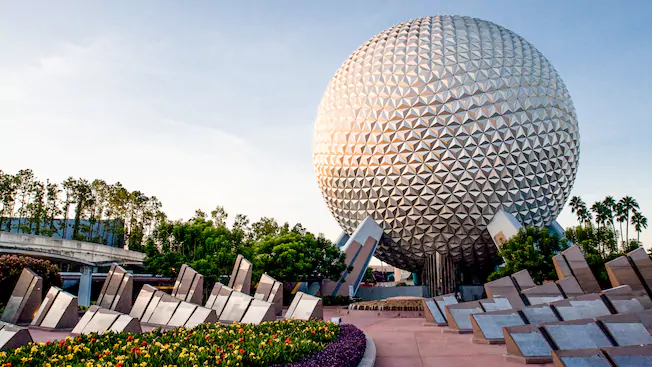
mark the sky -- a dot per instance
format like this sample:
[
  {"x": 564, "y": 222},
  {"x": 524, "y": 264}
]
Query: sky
[{"x": 211, "y": 103}]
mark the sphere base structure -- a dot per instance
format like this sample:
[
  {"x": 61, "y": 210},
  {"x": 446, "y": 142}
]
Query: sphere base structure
[{"x": 439, "y": 273}]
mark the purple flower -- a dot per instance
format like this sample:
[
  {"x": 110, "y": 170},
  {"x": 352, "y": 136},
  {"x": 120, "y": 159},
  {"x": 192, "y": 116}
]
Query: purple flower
[{"x": 346, "y": 351}]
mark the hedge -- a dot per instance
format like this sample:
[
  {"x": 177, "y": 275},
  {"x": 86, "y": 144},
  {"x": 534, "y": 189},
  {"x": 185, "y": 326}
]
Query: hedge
[{"x": 12, "y": 265}]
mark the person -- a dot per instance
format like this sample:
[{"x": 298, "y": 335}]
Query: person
[{"x": 458, "y": 296}]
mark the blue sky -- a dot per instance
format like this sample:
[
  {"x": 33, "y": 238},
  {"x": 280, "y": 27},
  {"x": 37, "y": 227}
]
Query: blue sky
[{"x": 214, "y": 102}]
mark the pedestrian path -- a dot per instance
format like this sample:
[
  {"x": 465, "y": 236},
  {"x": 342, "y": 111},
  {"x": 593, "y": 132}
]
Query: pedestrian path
[{"x": 405, "y": 342}]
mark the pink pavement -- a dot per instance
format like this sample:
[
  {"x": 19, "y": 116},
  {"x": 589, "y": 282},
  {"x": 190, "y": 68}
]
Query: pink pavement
[{"x": 405, "y": 342}]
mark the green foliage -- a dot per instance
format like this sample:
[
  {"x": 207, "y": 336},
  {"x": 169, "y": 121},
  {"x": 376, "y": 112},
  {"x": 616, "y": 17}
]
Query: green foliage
[
  {"x": 531, "y": 249},
  {"x": 369, "y": 276},
  {"x": 608, "y": 212},
  {"x": 600, "y": 245},
  {"x": 297, "y": 257},
  {"x": 38, "y": 205},
  {"x": 593, "y": 240},
  {"x": 11, "y": 266},
  {"x": 207, "y": 248},
  {"x": 336, "y": 300},
  {"x": 210, "y": 247},
  {"x": 270, "y": 343}
]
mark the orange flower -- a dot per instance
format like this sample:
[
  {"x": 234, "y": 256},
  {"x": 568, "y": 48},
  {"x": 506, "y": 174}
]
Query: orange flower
[
  {"x": 288, "y": 340},
  {"x": 241, "y": 340},
  {"x": 242, "y": 351},
  {"x": 118, "y": 365}
]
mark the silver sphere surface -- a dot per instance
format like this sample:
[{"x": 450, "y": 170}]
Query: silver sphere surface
[{"x": 435, "y": 124}]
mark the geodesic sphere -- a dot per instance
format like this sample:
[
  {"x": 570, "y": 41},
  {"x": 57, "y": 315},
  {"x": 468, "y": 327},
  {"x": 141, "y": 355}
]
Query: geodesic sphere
[{"x": 434, "y": 125}]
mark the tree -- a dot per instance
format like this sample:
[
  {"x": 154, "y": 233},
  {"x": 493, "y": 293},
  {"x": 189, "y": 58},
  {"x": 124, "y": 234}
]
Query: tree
[
  {"x": 197, "y": 242},
  {"x": 52, "y": 210},
  {"x": 601, "y": 213},
  {"x": 639, "y": 222},
  {"x": 576, "y": 204},
  {"x": 369, "y": 276},
  {"x": 296, "y": 257},
  {"x": 599, "y": 245},
  {"x": 83, "y": 200},
  {"x": 628, "y": 204},
  {"x": 36, "y": 209},
  {"x": 25, "y": 185},
  {"x": 68, "y": 190},
  {"x": 8, "y": 197},
  {"x": 219, "y": 216},
  {"x": 210, "y": 247},
  {"x": 610, "y": 206},
  {"x": 263, "y": 228},
  {"x": 532, "y": 249},
  {"x": 584, "y": 215}
]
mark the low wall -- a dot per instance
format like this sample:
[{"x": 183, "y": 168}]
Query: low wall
[{"x": 376, "y": 293}]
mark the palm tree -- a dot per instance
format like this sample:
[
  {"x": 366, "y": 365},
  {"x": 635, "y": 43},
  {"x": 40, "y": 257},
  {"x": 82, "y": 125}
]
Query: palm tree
[
  {"x": 628, "y": 205},
  {"x": 610, "y": 204},
  {"x": 601, "y": 213},
  {"x": 639, "y": 222},
  {"x": 584, "y": 215},
  {"x": 621, "y": 216},
  {"x": 576, "y": 204}
]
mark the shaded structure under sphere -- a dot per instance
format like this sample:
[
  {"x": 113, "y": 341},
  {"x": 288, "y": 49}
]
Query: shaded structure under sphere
[{"x": 434, "y": 125}]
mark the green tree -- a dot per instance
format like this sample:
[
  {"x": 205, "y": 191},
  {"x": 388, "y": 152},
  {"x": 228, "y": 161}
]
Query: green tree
[
  {"x": 265, "y": 227},
  {"x": 599, "y": 245},
  {"x": 52, "y": 210},
  {"x": 369, "y": 276},
  {"x": 576, "y": 204},
  {"x": 610, "y": 206},
  {"x": 198, "y": 242},
  {"x": 83, "y": 200},
  {"x": 69, "y": 192},
  {"x": 639, "y": 222},
  {"x": 628, "y": 205},
  {"x": 296, "y": 257},
  {"x": 7, "y": 199},
  {"x": 25, "y": 186},
  {"x": 532, "y": 249}
]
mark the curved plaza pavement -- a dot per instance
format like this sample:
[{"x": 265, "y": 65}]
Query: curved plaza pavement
[{"x": 405, "y": 342}]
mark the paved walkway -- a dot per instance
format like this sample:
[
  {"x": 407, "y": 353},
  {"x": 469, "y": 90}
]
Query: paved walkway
[{"x": 405, "y": 342}]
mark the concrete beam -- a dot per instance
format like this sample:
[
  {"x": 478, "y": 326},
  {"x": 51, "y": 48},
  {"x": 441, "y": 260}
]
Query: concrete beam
[{"x": 75, "y": 251}]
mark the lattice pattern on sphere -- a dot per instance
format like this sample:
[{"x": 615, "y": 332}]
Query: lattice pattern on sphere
[{"x": 434, "y": 125}]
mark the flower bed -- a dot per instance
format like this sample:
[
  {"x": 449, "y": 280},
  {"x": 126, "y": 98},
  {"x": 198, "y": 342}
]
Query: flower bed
[
  {"x": 297, "y": 343},
  {"x": 347, "y": 351}
]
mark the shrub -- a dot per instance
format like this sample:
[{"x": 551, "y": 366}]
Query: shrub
[
  {"x": 270, "y": 343},
  {"x": 336, "y": 300},
  {"x": 11, "y": 266}
]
